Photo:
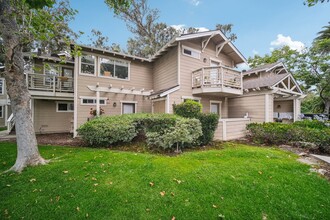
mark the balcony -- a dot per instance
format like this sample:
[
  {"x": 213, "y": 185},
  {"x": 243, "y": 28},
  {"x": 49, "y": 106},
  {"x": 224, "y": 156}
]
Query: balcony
[
  {"x": 49, "y": 85},
  {"x": 217, "y": 80}
]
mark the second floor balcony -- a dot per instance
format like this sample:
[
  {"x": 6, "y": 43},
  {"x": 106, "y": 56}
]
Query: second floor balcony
[
  {"x": 50, "y": 85},
  {"x": 217, "y": 80}
]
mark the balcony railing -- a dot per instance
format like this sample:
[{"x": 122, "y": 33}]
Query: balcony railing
[
  {"x": 217, "y": 77},
  {"x": 50, "y": 83}
]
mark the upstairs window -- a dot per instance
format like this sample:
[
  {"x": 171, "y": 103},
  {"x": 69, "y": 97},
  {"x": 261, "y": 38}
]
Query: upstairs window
[
  {"x": 187, "y": 51},
  {"x": 87, "y": 64},
  {"x": 114, "y": 68},
  {"x": 92, "y": 101},
  {"x": 1, "y": 86}
]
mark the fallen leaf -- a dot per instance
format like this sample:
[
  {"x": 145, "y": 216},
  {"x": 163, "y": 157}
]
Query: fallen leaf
[
  {"x": 87, "y": 215},
  {"x": 260, "y": 172},
  {"x": 148, "y": 210},
  {"x": 58, "y": 198},
  {"x": 173, "y": 218},
  {"x": 264, "y": 216},
  {"x": 178, "y": 181},
  {"x": 221, "y": 197},
  {"x": 162, "y": 193},
  {"x": 32, "y": 180},
  {"x": 151, "y": 184},
  {"x": 110, "y": 183},
  {"x": 78, "y": 209},
  {"x": 93, "y": 178},
  {"x": 172, "y": 193},
  {"x": 214, "y": 206},
  {"x": 8, "y": 185},
  {"x": 96, "y": 184},
  {"x": 65, "y": 171}
]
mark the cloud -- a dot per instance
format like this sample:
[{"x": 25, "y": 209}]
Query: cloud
[
  {"x": 178, "y": 26},
  {"x": 201, "y": 29},
  {"x": 181, "y": 27},
  {"x": 287, "y": 41},
  {"x": 194, "y": 2},
  {"x": 243, "y": 66},
  {"x": 255, "y": 52}
]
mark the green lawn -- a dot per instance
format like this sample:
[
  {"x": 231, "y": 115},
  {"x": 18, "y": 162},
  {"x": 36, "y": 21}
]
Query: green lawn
[{"x": 237, "y": 182}]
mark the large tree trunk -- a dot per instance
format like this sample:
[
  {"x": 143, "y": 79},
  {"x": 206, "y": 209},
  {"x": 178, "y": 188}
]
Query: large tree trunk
[
  {"x": 326, "y": 106},
  {"x": 27, "y": 149}
]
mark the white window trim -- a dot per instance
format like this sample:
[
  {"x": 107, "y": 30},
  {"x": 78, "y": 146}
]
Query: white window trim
[
  {"x": 111, "y": 77},
  {"x": 215, "y": 60},
  {"x": 127, "y": 102},
  {"x": 95, "y": 65},
  {"x": 2, "y": 91},
  {"x": 194, "y": 50},
  {"x": 2, "y": 109},
  {"x": 198, "y": 99},
  {"x": 92, "y": 97},
  {"x": 216, "y": 102},
  {"x": 64, "y": 103}
]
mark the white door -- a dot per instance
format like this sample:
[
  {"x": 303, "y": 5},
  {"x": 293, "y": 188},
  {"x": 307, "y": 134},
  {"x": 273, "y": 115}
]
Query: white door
[{"x": 128, "y": 108}]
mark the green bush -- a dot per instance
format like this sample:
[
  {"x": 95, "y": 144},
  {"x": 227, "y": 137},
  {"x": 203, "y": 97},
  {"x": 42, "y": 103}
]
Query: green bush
[
  {"x": 185, "y": 131},
  {"x": 192, "y": 109},
  {"x": 188, "y": 109},
  {"x": 209, "y": 125},
  {"x": 278, "y": 133},
  {"x": 310, "y": 124},
  {"x": 161, "y": 130}
]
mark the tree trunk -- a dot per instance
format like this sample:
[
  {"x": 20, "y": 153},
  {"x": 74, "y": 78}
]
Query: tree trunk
[
  {"x": 27, "y": 149},
  {"x": 326, "y": 106}
]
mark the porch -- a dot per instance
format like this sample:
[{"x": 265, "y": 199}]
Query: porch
[
  {"x": 231, "y": 128},
  {"x": 217, "y": 80}
]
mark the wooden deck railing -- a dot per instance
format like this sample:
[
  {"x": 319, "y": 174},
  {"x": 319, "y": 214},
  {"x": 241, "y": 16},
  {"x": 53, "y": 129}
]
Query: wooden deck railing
[
  {"x": 50, "y": 83},
  {"x": 218, "y": 76}
]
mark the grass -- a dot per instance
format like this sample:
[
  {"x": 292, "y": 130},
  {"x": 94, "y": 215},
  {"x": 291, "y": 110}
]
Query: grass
[
  {"x": 3, "y": 128},
  {"x": 237, "y": 182}
]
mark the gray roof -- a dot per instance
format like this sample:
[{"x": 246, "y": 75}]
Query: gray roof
[
  {"x": 157, "y": 93},
  {"x": 261, "y": 68},
  {"x": 263, "y": 81}
]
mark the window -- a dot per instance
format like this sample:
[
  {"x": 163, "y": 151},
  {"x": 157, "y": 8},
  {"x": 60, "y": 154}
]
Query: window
[
  {"x": 2, "y": 86},
  {"x": 186, "y": 98},
  {"x": 51, "y": 70},
  {"x": 215, "y": 107},
  {"x": 1, "y": 111},
  {"x": 87, "y": 64},
  {"x": 92, "y": 101},
  {"x": 128, "y": 108},
  {"x": 114, "y": 68},
  {"x": 64, "y": 107},
  {"x": 191, "y": 52}
]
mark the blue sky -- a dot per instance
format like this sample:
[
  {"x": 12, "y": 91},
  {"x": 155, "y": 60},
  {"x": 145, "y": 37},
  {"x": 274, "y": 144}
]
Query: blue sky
[{"x": 259, "y": 24}]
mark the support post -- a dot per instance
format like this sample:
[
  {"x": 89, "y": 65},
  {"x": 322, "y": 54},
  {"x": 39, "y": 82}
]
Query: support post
[{"x": 97, "y": 103}]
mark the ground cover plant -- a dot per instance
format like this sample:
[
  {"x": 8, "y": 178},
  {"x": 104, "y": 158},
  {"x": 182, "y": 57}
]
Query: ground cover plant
[
  {"x": 236, "y": 182},
  {"x": 309, "y": 134}
]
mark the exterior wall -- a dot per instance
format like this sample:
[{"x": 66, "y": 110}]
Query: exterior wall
[
  {"x": 254, "y": 105},
  {"x": 230, "y": 129},
  {"x": 140, "y": 77},
  {"x": 286, "y": 106},
  {"x": 159, "y": 106},
  {"x": 4, "y": 103},
  {"x": 47, "y": 120},
  {"x": 188, "y": 64},
  {"x": 165, "y": 71}
]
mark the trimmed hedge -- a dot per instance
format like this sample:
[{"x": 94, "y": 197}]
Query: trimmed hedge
[
  {"x": 302, "y": 131},
  {"x": 209, "y": 121},
  {"x": 160, "y": 130}
]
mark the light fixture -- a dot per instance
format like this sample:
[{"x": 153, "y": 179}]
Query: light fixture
[{"x": 114, "y": 104}]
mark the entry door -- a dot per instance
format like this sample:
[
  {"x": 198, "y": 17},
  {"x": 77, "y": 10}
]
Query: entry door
[
  {"x": 214, "y": 76},
  {"x": 128, "y": 108}
]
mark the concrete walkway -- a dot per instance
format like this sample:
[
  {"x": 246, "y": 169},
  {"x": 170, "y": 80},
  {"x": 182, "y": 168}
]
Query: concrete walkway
[
  {"x": 323, "y": 158},
  {"x": 4, "y": 136}
]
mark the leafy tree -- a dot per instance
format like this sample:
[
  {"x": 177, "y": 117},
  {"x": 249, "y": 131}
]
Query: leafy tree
[
  {"x": 100, "y": 41},
  {"x": 314, "y": 2},
  {"x": 227, "y": 31},
  {"x": 21, "y": 24},
  {"x": 323, "y": 39}
]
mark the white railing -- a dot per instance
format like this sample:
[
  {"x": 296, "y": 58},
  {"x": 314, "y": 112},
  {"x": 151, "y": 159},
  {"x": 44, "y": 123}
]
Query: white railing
[
  {"x": 50, "y": 83},
  {"x": 218, "y": 76},
  {"x": 283, "y": 115},
  {"x": 10, "y": 123}
]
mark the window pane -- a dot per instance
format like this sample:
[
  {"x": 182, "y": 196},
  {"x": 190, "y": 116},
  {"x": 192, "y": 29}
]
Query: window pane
[
  {"x": 1, "y": 111},
  {"x": 70, "y": 107},
  {"x": 1, "y": 86},
  {"x": 188, "y": 52},
  {"x": 88, "y": 59},
  {"x": 102, "y": 101},
  {"x": 62, "y": 106},
  {"x": 215, "y": 108},
  {"x": 106, "y": 67},
  {"x": 128, "y": 108},
  {"x": 121, "y": 72},
  {"x": 87, "y": 69}
]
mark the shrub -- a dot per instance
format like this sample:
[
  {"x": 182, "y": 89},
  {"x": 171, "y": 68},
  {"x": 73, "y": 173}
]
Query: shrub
[
  {"x": 209, "y": 125},
  {"x": 188, "y": 109},
  {"x": 296, "y": 133},
  {"x": 310, "y": 124},
  {"x": 185, "y": 131},
  {"x": 192, "y": 109}
]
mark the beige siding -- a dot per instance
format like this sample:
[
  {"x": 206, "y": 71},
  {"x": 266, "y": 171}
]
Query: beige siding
[
  {"x": 165, "y": 70},
  {"x": 283, "y": 106},
  {"x": 47, "y": 120},
  {"x": 140, "y": 77},
  {"x": 218, "y": 132},
  {"x": 254, "y": 105},
  {"x": 159, "y": 106}
]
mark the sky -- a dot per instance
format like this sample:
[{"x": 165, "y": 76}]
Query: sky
[{"x": 260, "y": 25}]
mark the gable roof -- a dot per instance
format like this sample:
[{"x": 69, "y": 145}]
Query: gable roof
[
  {"x": 264, "y": 81},
  {"x": 229, "y": 48},
  {"x": 266, "y": 67}
]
